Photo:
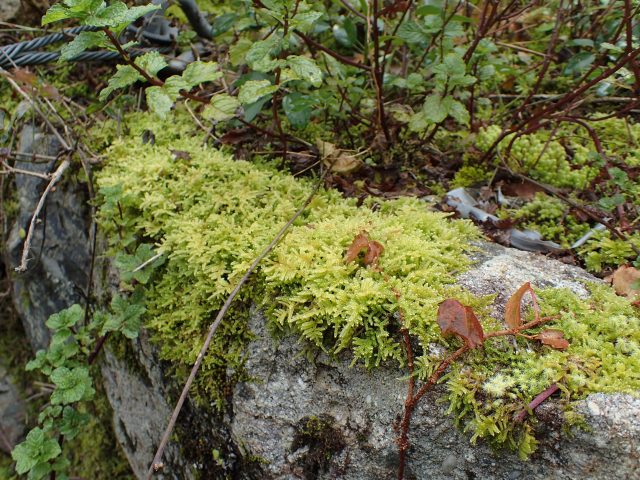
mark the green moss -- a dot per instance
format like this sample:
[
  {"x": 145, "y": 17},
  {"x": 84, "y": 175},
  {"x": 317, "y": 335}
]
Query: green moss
[
  {"x": 542, "y": 156},
  {"x": 551, "y": 217},
  {"x": 211, "y": 216},
  {"x": 491, "y": 386}
]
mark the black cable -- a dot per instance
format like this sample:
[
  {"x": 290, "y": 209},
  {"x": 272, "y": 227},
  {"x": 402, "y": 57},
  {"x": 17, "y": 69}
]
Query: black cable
[
  {"x": 15, "y": 48},
  {"x": 196, "y": 18}
]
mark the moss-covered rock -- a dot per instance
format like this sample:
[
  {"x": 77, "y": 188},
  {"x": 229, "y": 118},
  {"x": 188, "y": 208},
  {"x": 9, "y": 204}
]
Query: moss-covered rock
[{"x": 211, "y": 216}]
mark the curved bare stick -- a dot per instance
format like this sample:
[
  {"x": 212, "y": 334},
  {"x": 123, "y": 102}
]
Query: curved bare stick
[
  {"x": 156, "y": 464},
  {"x": 57, "y": 175}
]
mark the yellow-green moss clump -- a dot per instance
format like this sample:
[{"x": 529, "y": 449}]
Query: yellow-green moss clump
[{"x": 211, "y": 215}]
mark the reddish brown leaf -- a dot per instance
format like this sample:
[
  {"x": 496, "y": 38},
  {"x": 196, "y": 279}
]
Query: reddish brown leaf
[
  {"x": 455, "y": 318},
  {"x": 362, "y": 243},
  {"x": 50, "y": 91},
  {"x": 24, "y": 76},
  {"x": 553, "y": 338},
  {"x": 512, "y": 315}
]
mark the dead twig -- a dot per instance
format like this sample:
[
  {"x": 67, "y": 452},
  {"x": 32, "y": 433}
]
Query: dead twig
[
  {"x": 157, "y": 464},
  {"x": 57, "y": 175}
]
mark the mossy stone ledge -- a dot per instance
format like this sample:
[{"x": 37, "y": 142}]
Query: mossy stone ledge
[{"x": 211, "y": 215}]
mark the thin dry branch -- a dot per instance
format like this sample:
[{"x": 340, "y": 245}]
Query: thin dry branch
[
  {"x": 157, "y": 464},
  {"x": 57, "y": 175}
]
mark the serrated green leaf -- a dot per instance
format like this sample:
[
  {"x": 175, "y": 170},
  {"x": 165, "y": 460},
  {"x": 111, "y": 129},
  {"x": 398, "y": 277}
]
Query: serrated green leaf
[
  {"x": 222, "y": 23},
  {"x": 117, "y": 14},
  {"x": 201, "y": 72},
  {"x": 127, "y": 264},
  {"x": 56, "y": 13},
  {"x": 125, "y": 317},
  {"x": 125, "y": 75},
  {"x": 174, "y": 85},
  {"x": 260, "y": 50},
  {"x": 72, "y": 421},
  {"x": 253, "y": 90},
  {"x": 107, "y": 16},
  {"x": 298, "y": 109},
  {"x": 436, "y": 108},
  {"x": 222, "y": 107},
  {"x": 412, "y": 33},
  {"x": 72, "y": 385},
  {"x": 36, "y": 448},
  {"x": 305, "y": 21},
  {"x": 306, "y": 69},
  {"x": 459, "y": 112},
  {"x": 151, "y": 63},
  {"x": 82, "y": 42},
  {"x": 159, "y": 101},
  {"x": 66, "y": 318}
]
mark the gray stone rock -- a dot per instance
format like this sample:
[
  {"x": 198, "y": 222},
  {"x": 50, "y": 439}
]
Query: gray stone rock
[
  {"x": 60, "y": 254},
  {"x": 136, "y": 390},
  {"x": 9, "y": 9},
  {"x": 363, "y": 408},
  {"x": 12, "y": 413}
]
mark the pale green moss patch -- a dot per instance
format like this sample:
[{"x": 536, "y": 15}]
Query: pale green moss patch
[{"x": 212, "y": 215}]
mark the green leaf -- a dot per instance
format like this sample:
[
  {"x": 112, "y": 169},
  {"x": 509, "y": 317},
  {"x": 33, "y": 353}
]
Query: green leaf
[
  {"x": 298, "y": 109},
  {"x": 37, "y": 448},
  {"x": 459, "y": 112},
  {"x": 125, "y": 75},
  {"x": 151, "y": 63},
  {"x": 260, "y": 50},
  {"x": 65, "y": 318},
  {"x": 579, "y": 62},
  {"x": 436, "y": 108},
  {"x": 125, "y": 317},
  {"x": 159, "y": 101},
  {"x": 107, "y": 16},
  {"x": 72, "y": 385},
  {"x": 201, "y": 72},
  {"x": 253, "y": 90},
  {"x": 306, "y": 68},
  {"x": 82, "y": 42},
  {"x": 174, "y": 85},
  {"x": 72, "y": 421},
  {"x": 126, "y": 264},
  {"x": 305, "y": 21},
  {"x": 222, "y": 23},
  {"x": 412, "y": 33},
  {"x": 56, "y": 13},
  {"x": 118, "y": 14},
  {"x": 222, "y": 107}
]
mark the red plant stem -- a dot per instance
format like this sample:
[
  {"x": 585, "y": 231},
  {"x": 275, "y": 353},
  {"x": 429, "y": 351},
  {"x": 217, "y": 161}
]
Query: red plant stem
[
  {"x": 543, "y": 112},
  {"x": 535, "y": 403},
  {"x": 516, "y": 331},
  {"x": 410, "y": 404},
  {"x": 341, "y": 58}
]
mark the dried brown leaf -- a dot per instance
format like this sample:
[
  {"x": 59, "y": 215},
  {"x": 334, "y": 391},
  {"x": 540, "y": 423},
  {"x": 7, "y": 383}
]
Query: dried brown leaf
[
  {"x": 512, "y": 315},
  {"x": 24, "y": 76},
  {"x": 625, "y": 281},
  {"x": 553, "y": 338},
  {"x": 455, "y": 318},
  {"x": 339, "y": 160},
  {"x": 362, "y": 243}
]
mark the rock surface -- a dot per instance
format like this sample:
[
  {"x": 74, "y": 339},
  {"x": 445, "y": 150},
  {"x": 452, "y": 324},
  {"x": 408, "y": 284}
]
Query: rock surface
[
  {"x": 12, "y": 413},
  {"x": 59, "y": 258},
  {"x": 9, "y": 9},
  {"x": 361, "y": 407}
]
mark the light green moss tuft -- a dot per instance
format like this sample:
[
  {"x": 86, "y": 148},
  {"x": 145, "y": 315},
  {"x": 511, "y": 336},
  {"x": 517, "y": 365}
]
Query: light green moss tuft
[{"x": 211, "y": 216}]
